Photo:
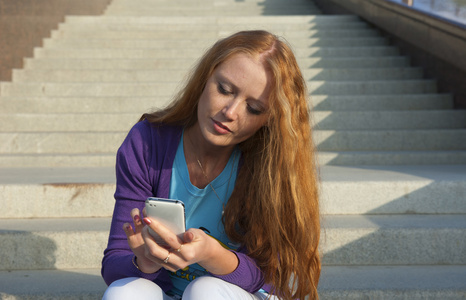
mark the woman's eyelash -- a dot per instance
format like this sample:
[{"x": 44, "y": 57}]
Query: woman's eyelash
[
  {"x": 250, "y": 109},
  {"x": 253, "y": 110},
  {"x": 222, "y": 90}
]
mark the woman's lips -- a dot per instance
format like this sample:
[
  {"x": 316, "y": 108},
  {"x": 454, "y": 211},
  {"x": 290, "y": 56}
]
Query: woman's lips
[{"x": 220, "y": 128}]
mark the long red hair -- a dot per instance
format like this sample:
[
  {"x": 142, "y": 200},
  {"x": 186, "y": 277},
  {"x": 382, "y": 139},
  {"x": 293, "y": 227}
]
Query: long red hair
[{"x": 274, "y": 208}]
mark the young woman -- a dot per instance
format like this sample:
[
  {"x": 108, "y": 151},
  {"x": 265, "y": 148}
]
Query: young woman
[{"x": 236, "y": 147}]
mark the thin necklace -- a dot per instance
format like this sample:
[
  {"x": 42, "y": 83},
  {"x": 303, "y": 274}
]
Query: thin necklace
[
  {"x": 210, "y": 184},
  {"x": 207, "y": 179}
]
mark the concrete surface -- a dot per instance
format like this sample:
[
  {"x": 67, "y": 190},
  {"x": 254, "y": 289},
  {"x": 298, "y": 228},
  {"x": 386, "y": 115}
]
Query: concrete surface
[{"x": 391, "y": 230}]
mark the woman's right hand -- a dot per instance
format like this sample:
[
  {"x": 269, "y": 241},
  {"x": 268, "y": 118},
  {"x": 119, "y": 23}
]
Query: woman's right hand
[{"x": 137, "y": 244}]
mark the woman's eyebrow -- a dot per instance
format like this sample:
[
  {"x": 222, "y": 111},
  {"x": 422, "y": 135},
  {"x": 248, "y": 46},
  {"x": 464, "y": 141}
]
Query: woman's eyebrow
[{"x": 226, "y": 80}]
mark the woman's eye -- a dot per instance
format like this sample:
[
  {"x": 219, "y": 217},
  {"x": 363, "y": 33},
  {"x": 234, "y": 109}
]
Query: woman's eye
[
  {"x": 254, "y": 111},
  {"x": 222, "y": 90}
]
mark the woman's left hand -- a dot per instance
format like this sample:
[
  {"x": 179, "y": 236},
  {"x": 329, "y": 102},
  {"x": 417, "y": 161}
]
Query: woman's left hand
[{"x": 194, "y": 247}]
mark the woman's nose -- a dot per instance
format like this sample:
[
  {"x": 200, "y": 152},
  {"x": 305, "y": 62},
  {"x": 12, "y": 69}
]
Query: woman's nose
[{"x": 231, "y": 109}]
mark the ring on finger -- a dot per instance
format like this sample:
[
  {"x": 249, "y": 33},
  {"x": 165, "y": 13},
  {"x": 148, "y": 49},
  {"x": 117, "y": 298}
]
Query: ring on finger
[
  {"x": 179, "y": 249},
  {"x": 168, "y": 257}
]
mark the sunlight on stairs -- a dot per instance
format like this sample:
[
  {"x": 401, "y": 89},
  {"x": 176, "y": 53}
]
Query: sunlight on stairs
[{"x": 392, "y": 149}]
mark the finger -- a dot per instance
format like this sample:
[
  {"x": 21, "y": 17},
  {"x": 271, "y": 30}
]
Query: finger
[
  {"x": 138, "y": 224},
  {"x": 170, "y": 262},
  {"x": 154, "y": 251},
  {"x": 130, "y": 235},
  {"x": 159, "y": 254},
  {"x": 188, "y": 236},
  {"x": 171, "y": 239},
  {"x": 128, "y": 230}
]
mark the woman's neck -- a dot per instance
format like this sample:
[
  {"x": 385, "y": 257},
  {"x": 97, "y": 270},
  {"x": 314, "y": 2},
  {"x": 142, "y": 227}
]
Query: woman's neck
[{"x": 205, "y": 161}]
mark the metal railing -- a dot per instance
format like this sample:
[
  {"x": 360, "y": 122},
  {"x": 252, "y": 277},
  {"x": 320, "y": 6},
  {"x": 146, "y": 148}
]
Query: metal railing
[{"x": 449, "y": 10}]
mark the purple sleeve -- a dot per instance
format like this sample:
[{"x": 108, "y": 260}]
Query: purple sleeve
[
  {"x": 133, "y": 188},
  {"x": 247, "y": 275}
]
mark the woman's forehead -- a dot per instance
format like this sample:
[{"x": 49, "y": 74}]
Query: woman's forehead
[{"x": 246, "y": 72}]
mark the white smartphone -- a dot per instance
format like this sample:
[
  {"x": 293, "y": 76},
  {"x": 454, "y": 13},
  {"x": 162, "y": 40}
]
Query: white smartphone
[{"x": 168, "y": 212}]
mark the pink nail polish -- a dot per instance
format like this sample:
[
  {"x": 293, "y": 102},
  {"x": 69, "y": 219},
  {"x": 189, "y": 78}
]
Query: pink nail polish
[
  {"x": 147, "y": 221},
  {"x": 137, "y": 218}
]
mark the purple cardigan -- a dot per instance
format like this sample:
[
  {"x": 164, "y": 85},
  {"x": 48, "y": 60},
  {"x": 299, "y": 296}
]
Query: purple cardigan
[{"x": 143, "y": 169}]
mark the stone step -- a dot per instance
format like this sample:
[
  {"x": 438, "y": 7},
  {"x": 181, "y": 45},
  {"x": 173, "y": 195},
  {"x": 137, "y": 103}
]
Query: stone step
[
  {"x": 346, "y": 190},
  {"x": 207, "y": 2},
  {"x": 381, "y": 120},
  {"x": 211, "y": 27},
  {"x": 325, "y": 140},
  {"x": 331, "y": 158},
  {"x": 194, "y": 9},
  {"x": 204, "y": 43},
  {"x": 393, "y": 282},
  {"x": 57, "y": 192},
  {"x": 207, "y": 6},
  {"x": 66, "y": 226},
  {"x": 53, "y": 105},
  {"x": 77, "y": 105},
  {"x": 371, "y": 87},
  {"x": 67, "y": 160},
  {"x": 322, "y": 120},
  {"x": 148, "y": 32},
  {"x": 61, "y": 142},
  {"x": 390, "y": 140},
  {"x": 182, "y": 64},
  {"x": 393, "y": 87},
  {"x": 238, "y": 10},
  {"x": 214, "y": 3},
  {"x": 406, "y": 102},
  {"x": 324, "y": 52},
  {"x": 128, "y": 76},
  {"x": 185, "y": 64},
  {"x": 70, "y": 284},
  {"x": 194, "y": 21},
  {"x": 389, "y": 158},
  {"x": 60, "y": 243},
  {"x": 384, "y": 189},
  {"x": 195, "y": 6},
  {"x": 336, "y": 282},
  {"x": 216, "y": 27},
  {"x": 393, "y": 239},
  {"x": 68, "y": 122}
]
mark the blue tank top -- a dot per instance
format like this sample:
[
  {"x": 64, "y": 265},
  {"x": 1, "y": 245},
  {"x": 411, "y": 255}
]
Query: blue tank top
[{"x": 203, "y": 208}]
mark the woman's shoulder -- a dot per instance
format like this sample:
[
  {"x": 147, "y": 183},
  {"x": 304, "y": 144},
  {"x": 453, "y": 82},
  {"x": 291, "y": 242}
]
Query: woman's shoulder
[
  {"x": 158, "y": 131},
  {"x": 152, "y": 144}
]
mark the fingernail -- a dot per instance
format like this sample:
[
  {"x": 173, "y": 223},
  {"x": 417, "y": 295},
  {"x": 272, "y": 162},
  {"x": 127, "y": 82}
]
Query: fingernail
[
  {"x": 137, "y": 218},
  {"x": 128, "y": 227},
  {"x": 147, "y": 221}
]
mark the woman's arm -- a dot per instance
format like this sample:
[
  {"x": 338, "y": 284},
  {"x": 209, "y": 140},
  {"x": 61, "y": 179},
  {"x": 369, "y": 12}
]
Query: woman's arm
[
  {"x": 198, "y": 247},
  {"x": 133, "y": 187},
  {"x": 247, "y": 275}
]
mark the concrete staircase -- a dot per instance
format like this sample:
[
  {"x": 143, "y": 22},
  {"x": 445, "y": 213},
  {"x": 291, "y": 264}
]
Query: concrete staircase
[{"x": 393, "y": 152}]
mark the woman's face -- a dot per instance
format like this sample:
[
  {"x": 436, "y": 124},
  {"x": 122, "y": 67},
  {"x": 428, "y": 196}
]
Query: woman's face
[{"x": 235, "y": 101}]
